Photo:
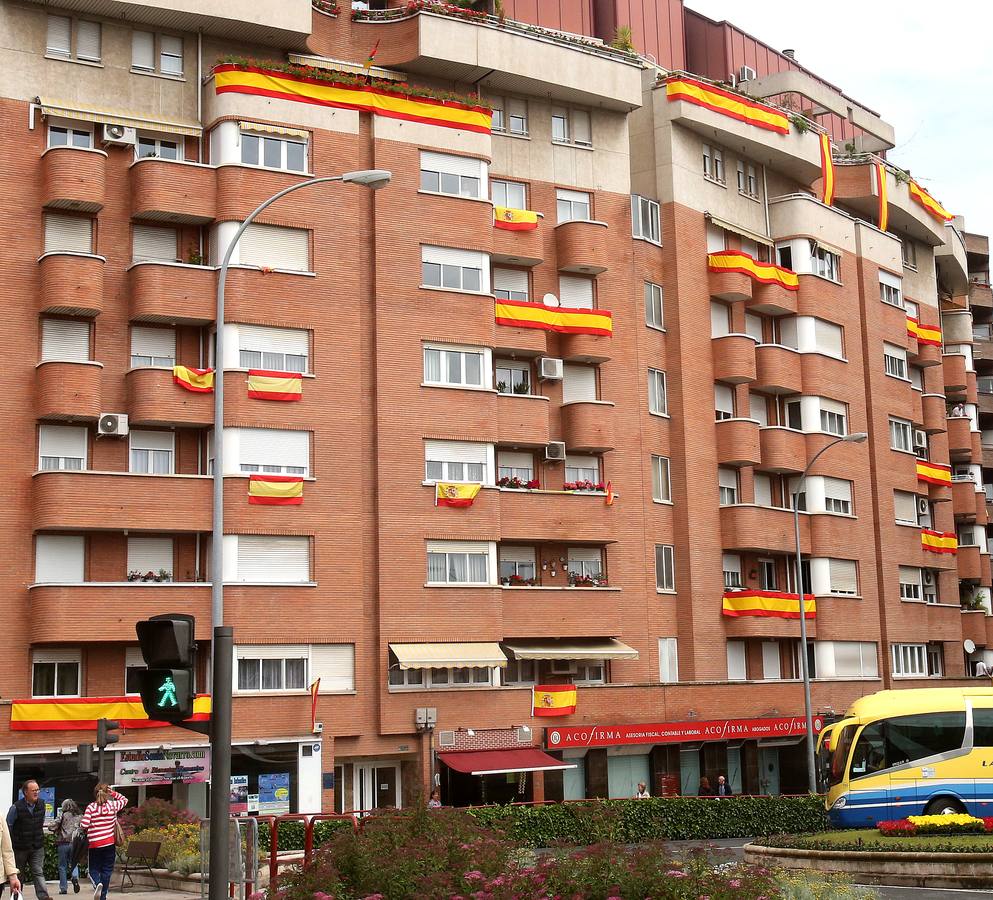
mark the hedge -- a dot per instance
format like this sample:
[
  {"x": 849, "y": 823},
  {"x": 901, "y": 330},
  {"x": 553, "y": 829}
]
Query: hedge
[
  {"x": 292, "y": 834},
  {"x": 899, "y": 845}
]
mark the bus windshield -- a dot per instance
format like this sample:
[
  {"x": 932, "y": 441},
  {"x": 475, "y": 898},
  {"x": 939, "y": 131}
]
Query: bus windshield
[{"x": 841, "y": 742}]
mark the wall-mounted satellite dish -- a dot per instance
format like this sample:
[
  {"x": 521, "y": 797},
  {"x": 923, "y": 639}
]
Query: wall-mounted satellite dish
[
  {"x": 970, "y": 645},
  {"x": 550, "y": 300}
]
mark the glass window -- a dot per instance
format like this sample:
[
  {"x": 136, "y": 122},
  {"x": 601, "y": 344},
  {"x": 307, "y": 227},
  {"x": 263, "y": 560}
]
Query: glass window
[
  {"x": 55, "y": 679},
  {"x": 895, "y": 361},
  {"x": 280, "y": 674},
  {"x": 645, "y": 219},
  {"x": 665, "y": 575},
  {"x": 826, "y": 264},
  {"x": 154, "y": 147},
  {"x": 463, "y": 368},
  {"x": 901, "y": 435},
  {"x": 69, "y": 137},
  {"x": 273, "y": 152},
  {"x": 457, "y": 568},
  {"x": 572, "y": 206},
  {"x": 713, "y": 163},
  {"x": 747, "y": 181},
  {"x": 511, "y": 194},
  {"x": 982, "y": 723},
  {"x": 448, "y": 182},
  {"x": 513, "y": 377},
  {"x": 661, "y": 492},
  {"x": 453, "y": 277},
  {"x": 170, "y": 55},
  {"x": 906, "y": 739},
  {"x": 571, "y": 126},
  {"x": 653, "y": 305},
  {"x": 657, "y": 398}
]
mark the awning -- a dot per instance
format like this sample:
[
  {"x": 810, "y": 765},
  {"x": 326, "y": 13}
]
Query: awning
[
  {"x": 274, "y": 129},
  {"x": 499, "y": 762},
  {"x": 116, "y": 117},
  {"x": 340, "y": 65},
  {"x": 442, "y": 656},
  {"x": 594, "y": 648},
  {"x": 738, "y": 229}
]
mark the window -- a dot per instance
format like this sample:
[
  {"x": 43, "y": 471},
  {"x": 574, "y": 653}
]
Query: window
[
  {"x": 455, "y": 461},
  {"x": 982, "y": 723},
  {"x": 768, "y": 577},
  {"x": 456, "y": 176},
  {"x": 276, "y": 349},
  {"x": 259, "y": 148},
  {"x": 792, "y": 415},
  {"x": 457, "y": 367},
  {"x": 723, "y": 402},
  {"x": 572, "y": 206},
  {"x": 910, "y": 660},
  {"x": 727, "y": 480},
  {"x": 843, "y": 576},
  {"x": 917, "y": 378},
  {"x": 762, "y": 485},
  {"x": 66, "y": 340},
  {"x": 510, "y": 284},
  {"x": 804, "y": 575},
  {"x": 456, "y": 270},
  {"x": 134, "y": 665},
  {"x": 576, "y": 291},
  {"x": 517, "y": 565},
  {"x": 272, "y": 668},
  {"x": 731, "y": 564},
  {"x": 834, "y": 416},
  {"x": 275, "y": 247},
  {"x": 55, "y": 673},
  {"x": 657, "y": 401},
  {"x": 910, "y": 583},
  {"x": 512, "y": 194},
  {"x": 585, "y": 563},
  {"x": 59, "y": 558},
  {"x": 62, "y": 447},
  {"x": 713, "y": 163},
  {"x": 720, "y": 319},
  {"x": 571, "y": 126},
  {"x": 510, "y": 116},
  {"x": 513, "y": 376},
  {"x": 653, "y": 305},
  {"x": 668, "y": 660},
  {"x": 590, "y": 672},
  {"x": 421, "y": 679},
  {"x": 845, "y": 659},
  {"x": 151, "y": 452},
  {"x": 828, "y": 339},
  {"x": 908, "y": 251},
  {"x": 754, "y": 327},
  {"x": 737, "y": 670},
  {"x": 150, "y": 556},
  {"x": 452, "y": 562},
  {"x": 826, "y": 264},
  {"x": 578, "y": 383},
  {"x": 153, "y": 244},
  {"x": 645, "y": 219},
  {"x": 901, "y": 740},
  {"x": 68, "y": 234},
  {"x": 716, "y": 238},
  {"x": 911, "y": 308},
  {"x": 515, "y": 465},
  {"x": 665, "y": 568},
  {"x": 891, "y": 289},
  {"x": 895, "y": 361},
  {"x": 270, "y": 559},
  {"x": 582, "y": 468},
  {"x": 73, "y": 39},
  {"x": 837, "y": 496},
  {"x": 905, "y": 507},
  {"x": 661, "y": 490},
  {"x": 152, "y": 347},
  {"x": 901, "y": 435},
  {"x": 273, "y": 450},
  {"x": 748, "y": 183},
  {"x": 157, "y": 53},
  {"x": 159, "y": 147},
  {"x": 64, "y": 136}
]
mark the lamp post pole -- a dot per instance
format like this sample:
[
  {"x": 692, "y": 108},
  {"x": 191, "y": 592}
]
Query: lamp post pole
[
  {"x": 856, "y": 438},
  {"x": 222, "y": 636}
]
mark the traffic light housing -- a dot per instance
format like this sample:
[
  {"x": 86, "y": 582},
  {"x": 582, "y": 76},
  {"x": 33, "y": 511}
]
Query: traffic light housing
[
  {"x": 105, "y": 732},
  {"x": 166, "y": 686}
]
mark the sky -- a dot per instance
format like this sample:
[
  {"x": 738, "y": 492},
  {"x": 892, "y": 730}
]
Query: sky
[{"x": 925, "y": 67}]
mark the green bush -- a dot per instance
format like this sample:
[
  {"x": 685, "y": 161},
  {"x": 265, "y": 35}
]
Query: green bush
[
  {"x": 968, "y": 844},
  {"x": 156, "y": 813},
  {"x": 177, "y": 842},
  {"x": 292, "y": 834}
]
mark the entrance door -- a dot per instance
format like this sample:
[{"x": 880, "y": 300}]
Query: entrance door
[
  {"x": 624, "y": 773},
  {"x": 574, "y": 780},
  {"x": 376, "y": 786},
  {"x": 689, "y": 771},
  {"x": 769, "y": 770}
]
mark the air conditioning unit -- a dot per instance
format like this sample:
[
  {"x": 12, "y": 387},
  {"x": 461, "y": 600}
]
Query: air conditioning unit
[
  {"x": 555, "y": 451},
  {"x": 920, "y": 438},
  {"x": 922, "y": 506},
  {"x": 928, "y": 577},
  {"x": 113, "y": 424},
  {"x": 550, "y": 369},
  {"x": 446, "y": 739},
  {"x": 746, "y": 73},
  {"x": 119, "y": 134},
  {"x": 563, "y": 667}
]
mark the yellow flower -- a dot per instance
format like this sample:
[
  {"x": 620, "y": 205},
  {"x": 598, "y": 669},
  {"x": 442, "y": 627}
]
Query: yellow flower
[{"x": 951, "y": 819}]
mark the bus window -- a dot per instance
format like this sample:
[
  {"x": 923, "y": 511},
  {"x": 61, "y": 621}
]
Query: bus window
[
  {"x": 870, "y": 751},
  {"x": 909, "y": 738},
  {"x": 982, "y": 722},
  {"x": 841, "y": 743}
]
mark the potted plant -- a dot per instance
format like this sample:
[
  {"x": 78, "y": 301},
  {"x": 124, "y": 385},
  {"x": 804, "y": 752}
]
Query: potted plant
[
  {"x": 163, "y": 575},
  {"x": 134, "y": 576},
  {"x": 517, "y": 484},
  {"x": 577, "y": 580},
  {"x": 516, "y": 580},
  {"x": 522, "y": 387},
  {"x": 584, "y": 485}
]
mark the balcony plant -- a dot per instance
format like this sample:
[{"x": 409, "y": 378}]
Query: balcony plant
[
  {"x": 518, "y": 484},
  {"x": 516, "y": 580},
  {"x": 330, "y": 7},
  {"x": 584, "y": 485},
  {"x": 522, "y": 387},
  {"x": 577, "y": 580}
]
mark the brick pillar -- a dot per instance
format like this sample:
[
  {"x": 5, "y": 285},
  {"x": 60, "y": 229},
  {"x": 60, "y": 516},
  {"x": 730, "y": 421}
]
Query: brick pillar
[
  {"x": 424, "y": 767},
  {"x": 537, "y": 786},
  {"x": 327, "y": 765}
]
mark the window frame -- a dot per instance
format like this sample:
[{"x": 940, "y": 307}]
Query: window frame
[
  {"x": 571, "y": 112},
  {"x": 485, "y": 554},
  {"x": 659, "y": 465},
  {"x": 825, "y": 263},
  {"x": 461, "y": 180},
  {"x": 748, "y": 182},
  {"x": 261, "y": 660},
  {"x": 504, "y": 184},
  {"x": 72, "y": 131},
  {"x": 665, "y": 578},
  {"x": 573, "y": 203},
  {"x": 284, "y": 141},
  {"x": 658, "y": 389},
  {"x": 485, "y": 366},
  {"x": 445, "y": 268},
  {"x": 713, "y": 164},
  {"x": 653, "y": 291},
  {"x": 502, "y": 111},
  {"x": 895, "y": 364},
  {"x": 639, "y": 206},
  {"x": 72, "y": 54},
  {"x": 902, "y": 426},
  {"x": 158, "y": 54},
  {"x": 56, "y": 659}
]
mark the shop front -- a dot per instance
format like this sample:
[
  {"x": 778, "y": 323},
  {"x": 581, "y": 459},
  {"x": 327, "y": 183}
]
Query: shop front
[{"x": 476, "y": 777}]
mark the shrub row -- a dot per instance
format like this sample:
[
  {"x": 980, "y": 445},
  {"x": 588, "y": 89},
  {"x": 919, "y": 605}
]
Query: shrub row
[{"x": 904, "y": 845}]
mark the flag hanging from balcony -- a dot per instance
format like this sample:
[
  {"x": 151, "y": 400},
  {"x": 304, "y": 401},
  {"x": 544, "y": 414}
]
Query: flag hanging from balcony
[
  {"x": 82, "y": 713},
  {"x": 925, "y": 334},
  {"x": 933, "y": 207},
  {"x": 727, "y": 103},
  {"x": 882, "y": 192},
  {"x": 827, "y": 171},
  {"x": 275, "y": 490},
  {"x": 933, "y": 473},
  {"x": 314, "y": 688},
  {"x": 608, "y": 500},
  {"x": 764, "y": 273},
  {"x": 514, "y": 219},
  {"x": 264, "y": 384},
  {"x": 939, "y": 541},
  {"x": 457, "y": 495},
  {"x": 372, "y": 55},
  {"x": 562, "y": 319},
  {"x": 201, "y": 381},
  {"x": 772, "y": 604},
  {"x": 553, "y": 699}
]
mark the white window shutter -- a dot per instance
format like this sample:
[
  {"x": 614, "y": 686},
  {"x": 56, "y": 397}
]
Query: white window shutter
[
  {"x": 152, "y": 440},
  {"x": 458, "y": 547},
  {"x": 843, "y": 574},
  {"x": 59, "y": 35},
  {"x": 753, "y": 326},
  {"x": 736, "y": 660},
  {"x": 272, "y": 651},
  {"x": 771, "y": 662},
  {"x": 828, "y": 337},
  {"x": 837, "y": 489},
  {"x": 715, "y": 238},
  {"x": 668, "y": 660},
  {"x": 517, "y": 554},
  {"x": 833, "y": 406},
  {"x": 152, "y": 243},
  {"x": 584, "y": 554},
  {"x": 452, "y": 165},
  {"x": 572, "y": 196},
  {"x": 510, "y": 280},
  {"x": 88, "y": 41},
  {"x": 294, "y": 341},
  {"x": 273, "y": 559},
  {"x": 276, "y": 247},
  {"x": 62, "y": 440},
  {"x": 720, "y": 319},
  {"x": 143, "y": 50},
  {"x": 763, "y": 490},
  {"x": 724, "y": 399},
  {"x": 274, "y": 447},
  {"x": 171, "y": 54},
  {"x": 150, "y": 554},
  {"x": 576, "y": 292},
  {"x": 68, "y": 234},
  {"x": 758, "y": 408},
  {"x": 910, "y": 574},
  {"x": 65, "y": 339},
  {"x": 727, "y": 478},
  {"x": 160, "y": 342},
  {"x": 578, "y": 383},
  {"x": 890, "y": 280},
  {"x": 449, "y": 256},
  {"x": 334, "y": 664},
  {"x": 509, "y": 459},
  {"x": 905, "y": 507},
  {"x": 59, "y": 558},
  {"x": 456, "y": 451}
]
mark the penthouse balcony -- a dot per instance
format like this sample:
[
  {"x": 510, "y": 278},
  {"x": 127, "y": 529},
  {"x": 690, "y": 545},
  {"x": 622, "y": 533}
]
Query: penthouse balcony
[
  {"x": 73, "y": 178},
  {"x": 581, "y": 246},
  {"x": 165, "y": 190},
  {"x": 522, "y": 420},
  {"x": 153, "y": 398},
  {"x": 71, "y": 283},
  {"x": 783, "y": 449},
  {"x": 734, "y": 358},
  {"x": 68, "y": 391},
  {"x": 172, "y": 293},
  {"x": 777, "y": 369},
  {"x": 762, "y": 529},
  {"x": 588, "y": 426},
  {"x": 737, "y": 442}
]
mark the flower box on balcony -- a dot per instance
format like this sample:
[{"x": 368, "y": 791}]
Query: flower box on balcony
[
  {"x": 519, "y": 581},
  {"x": 518, "y": 484},
  {"x": 587, "y": 581},
  {"x": 585, "y": 486}
]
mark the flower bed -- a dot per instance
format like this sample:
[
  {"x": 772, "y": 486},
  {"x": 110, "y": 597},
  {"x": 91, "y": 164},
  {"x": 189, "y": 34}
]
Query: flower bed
[
  {"x": 519, "y": 484},
  {"x": 957, "y": 823}
]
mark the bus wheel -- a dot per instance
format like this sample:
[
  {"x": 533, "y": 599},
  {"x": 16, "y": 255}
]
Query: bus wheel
[{"x": 943, "y": 806}]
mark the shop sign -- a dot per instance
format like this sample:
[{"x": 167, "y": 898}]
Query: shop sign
[
  {"x": 137, "y": 767},
  {"x": 678, "y": 732},
  {"x": 239, "y": 795}
]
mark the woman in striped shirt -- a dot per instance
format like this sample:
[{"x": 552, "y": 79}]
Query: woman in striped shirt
[{"x": 100, "y": 822}]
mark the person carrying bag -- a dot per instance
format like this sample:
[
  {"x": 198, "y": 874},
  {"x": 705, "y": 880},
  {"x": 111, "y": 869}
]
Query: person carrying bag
[{"x": 103, "y": 832}]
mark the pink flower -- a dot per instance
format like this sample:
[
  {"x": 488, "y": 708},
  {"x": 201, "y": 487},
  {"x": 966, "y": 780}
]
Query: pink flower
[
  {"x": 474, "y": 875},
  {"x": 735, "y": 883}
]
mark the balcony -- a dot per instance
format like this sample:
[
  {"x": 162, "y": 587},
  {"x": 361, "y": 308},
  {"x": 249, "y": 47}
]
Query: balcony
[
  {"x": 68, "y": 391},
  {"x": 934, "y": 412},
  {"x": 966, "y": 500},
  {"x": 969, "y": 563},
  {"x": 527, "y": 516},
  {"x": 525, "y": 341},
  {"x": 759, "y": 627},
  {"x": 240, "y": 189},
  {"x": 959, "y": 437},
  {"x": 951, "y": 262},
  {"x": 172, "y": 293},
  {"x": 281, "y": 292},
  {"x": 737, "y": 442},
  {"x": 153, "y": 398},
  {"x": 772, "y": 300},
  {"x": 926, "y": 355},
  {"x": 980, "y": 294},
  {"x": 581, "y": 246},
  {"x": 522, "y": 421},
  {"x": 99, "y": 501},
  {"x": 953, "y": 367},
  {"x": 777, "y": 369},
  {"x": 71, "y": 284},
  {"x": 169, "y": 191},
  {"x": 734, "y": 358},
  {"x": 519, "y": 248},
  {"x": 73, "y": 178},
  {"x": 588, "y": 426},
  {"x": 732, "y": 287},
  {"x": 974, "y": 626},
  {"x": 956, "y": 326},
  {"x": 762, "y": 529},
  {"x": 592, "y": 349},
  {"x": 783, "y": 450},
  {"x": 561, "y": 612}
]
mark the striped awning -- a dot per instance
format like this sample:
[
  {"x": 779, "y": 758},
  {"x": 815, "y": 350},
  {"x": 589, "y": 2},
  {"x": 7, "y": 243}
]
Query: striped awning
[
  {"x": 740, "y": 230},
  {"x": 455, "y": 655},
  {"x": 274, "y": 129},
  {"x": 594, "y": 648},
  {"x": 116, "y": 117}
]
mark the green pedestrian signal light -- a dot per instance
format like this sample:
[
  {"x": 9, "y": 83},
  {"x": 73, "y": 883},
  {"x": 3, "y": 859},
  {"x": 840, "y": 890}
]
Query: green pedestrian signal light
[
  {"x": 166, "y": 686},
  {"x": 166, "y": 694}
]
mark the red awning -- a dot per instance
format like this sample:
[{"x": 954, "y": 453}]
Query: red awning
[{"x": 497, "y": 762}]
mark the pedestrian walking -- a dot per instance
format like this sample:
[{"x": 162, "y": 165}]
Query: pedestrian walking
[
  {"x": 723, "y": 788},
  {"x": 64, "y": 827},
  {"x": 642, "y": 793},
  {"x": 102, "y": 829},
  {"x": 26, "y": 821},
  {"x": 8, "y": 868}
]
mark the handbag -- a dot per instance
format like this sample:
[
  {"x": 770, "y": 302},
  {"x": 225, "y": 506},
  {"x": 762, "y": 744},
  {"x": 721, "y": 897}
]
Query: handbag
[
  {"x": 79, "y": 845},
  {"x": 118, "y": 833}
]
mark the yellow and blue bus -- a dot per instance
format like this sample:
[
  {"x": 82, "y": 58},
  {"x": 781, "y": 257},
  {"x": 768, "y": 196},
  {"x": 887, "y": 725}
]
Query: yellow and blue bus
[{"x": 913, "y": 752}]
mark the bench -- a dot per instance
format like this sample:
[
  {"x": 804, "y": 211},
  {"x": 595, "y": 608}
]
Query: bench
[{"x": 140, "y": 856}]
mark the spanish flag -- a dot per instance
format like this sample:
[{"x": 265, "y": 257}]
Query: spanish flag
[
  {"x": 275, "y": 490},
  {"x": 933, "y": 473},
  {"x": 514, "y": 219},
  {"x": 827, "y": 171},
  {"x": 458, "y": 495},
  {"x": 768, "y": 604},
  {"x": 939, "y": 541},
  {"x": 883, "y": 192},
  {"x": 314, "y": 688},
  {"x": 764, "y": 273},
  {"x": 925, "y": 334},
  {"x": 933, "y": 207},
  {"x": 372, "y": 55},
  {"x": 553, "y": 700},
  {"x": 680, "y": 87},
  {"x": 82, "y": 713},
  {"x": 201, "y": 381},
  {"x": 608, "y": 500},
  {"x": 264, "y": 384},
  {"x": 561, "y": 319}
]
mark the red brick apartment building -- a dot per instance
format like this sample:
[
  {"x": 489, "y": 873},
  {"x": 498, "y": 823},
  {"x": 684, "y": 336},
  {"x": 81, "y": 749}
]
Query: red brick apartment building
[{"x": 724, "y": 319}]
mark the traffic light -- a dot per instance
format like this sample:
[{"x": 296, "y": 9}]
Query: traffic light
[
  {"x": 166, "y": 686},
  {"x": 84, "y": 758},
  {"x": 105, "y": 732}
]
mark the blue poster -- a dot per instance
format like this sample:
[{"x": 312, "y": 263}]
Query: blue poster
[
  {"x": 274, "y": 793},
  {"x": 47, "y": 794}
]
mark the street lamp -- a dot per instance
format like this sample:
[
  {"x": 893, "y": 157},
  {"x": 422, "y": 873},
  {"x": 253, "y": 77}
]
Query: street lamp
[
  {"x": 857, "y": 438},
  {"x": 223, "y": 635}
]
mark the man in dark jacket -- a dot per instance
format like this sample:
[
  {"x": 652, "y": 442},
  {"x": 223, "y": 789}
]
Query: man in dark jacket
[
  {"x": 26, "y": 821},
  {"x": 723, "y": 788}
]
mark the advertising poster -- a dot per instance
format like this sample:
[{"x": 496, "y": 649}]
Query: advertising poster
[
  {"x": 137, "y": 767},
  {"x": 47, "y": 794},
  {"x": 239, "y": 795},
  {"x": 274, "y": 793}
]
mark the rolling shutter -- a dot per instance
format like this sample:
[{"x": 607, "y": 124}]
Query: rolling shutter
[
  {"x": 763, "y": 490},
  {"x": 152, "y": 243},
  {"x": 827, "y": 337},
  {"x": 88, "y": 41},
  {"x": 905, "y": 507},
  {"x": 517, "y": 554},
  {"x": 152, "y": 440},
  {"x": 724, "y": 400},
  {"x": 154, "y": 342},
  {"x": 272, "y": 651},
  {"x": 58, "y": 558},
  {"x": 275, "y": 247},
  {"x": 510, "y": 280},
  {"x": 449, "y": 256},
  {"x": 578, "y": 383},
  {"x": 837, "y": 489},
  {"x": 458, "y": 547},
  {"x": 63, "y": 441},
  {"x": 890, "y": 280},
  {"x": 573, "y": 196},
  {"x": 143, "y": 50},
  {"x": 457, "y": 451},
  {"x": 65, "y": 339},
  {"x": 293, "y": 341},
  {"x": 720, "y": 319},
  {"x": 59, "y": 35},
  {"x": 727, "y": 478},
  {"x": 273, "y": 559},
  {"x": 274, "y": 447},
  {"x": 736, "y": 660},
  {"x": 334, "y": 664},
  {"x": 150, "y": 555},
  {"x": 758, "y": 408},
  {"x": 753, "y": 326},
  {"x": 910, "y": 575},
  {"x": 452, "y": 165},
  {"x": 833, "y": 406},
  {"x": 843, "y": 574},
  {"x": 509, "y": 459},
  {"x": 771, "y": 663},
  {"x": 69, "y": 234},
  {"x": 584, "y": 554},
  {"x": 576, "y": 292}
]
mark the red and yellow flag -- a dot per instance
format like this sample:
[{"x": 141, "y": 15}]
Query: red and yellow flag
[
  {"x": 680, "y": 87},
  {"x": 932, "y": 206},
  {"x": 939, "y": 541},
  {"x": 314, "y": 688},
  {"x": 553, "y": 699},
  {"x": 608, "y": 500},
  {"x": 925, "y": 334},
  {"x": 514, "y": 219},
  {"x": 201, "y": 381},
  {"x": 772, "y": 604},
  {"x": 562, "y": 319},
  {"x": 827, "y": 171},
  {"x": 457, "y": 495},
  {"x": 82, "y": 713},
  {"x": 275, "y": 490},
  {"x": 264, "y": 384},
  {"x": 372, "y": 55},
  {"x": 882, "y": 192},
  {"x": 764, "y": 273},
  {"x": 933, "y": 473}
]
